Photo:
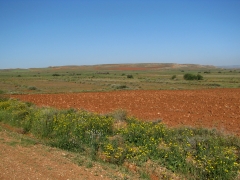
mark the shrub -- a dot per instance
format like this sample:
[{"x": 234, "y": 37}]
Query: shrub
[
  {"x": 199, "y": 77},
  {"x": 120, "y": 115},
  {"x": 119, "y": 86},
  {"x": 174, "y": 77},
  {"x": 129, "y": 76},
  {"x": 189, "y": 76},
  {"x": 32, "y": 88},
  {"x": 55, "y": 74}
]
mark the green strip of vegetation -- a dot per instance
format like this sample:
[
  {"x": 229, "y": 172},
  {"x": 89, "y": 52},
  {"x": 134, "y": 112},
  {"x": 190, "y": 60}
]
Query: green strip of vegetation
[{"x": 192, "y": 153}]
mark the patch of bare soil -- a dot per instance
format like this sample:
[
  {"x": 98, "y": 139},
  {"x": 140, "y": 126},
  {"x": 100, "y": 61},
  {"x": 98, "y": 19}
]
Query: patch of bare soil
[
  {"x": 210, "y": 108},
  {"x": 21, "y": 160}
]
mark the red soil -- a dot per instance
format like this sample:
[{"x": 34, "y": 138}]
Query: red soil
[{"x": 212, "y": 108}]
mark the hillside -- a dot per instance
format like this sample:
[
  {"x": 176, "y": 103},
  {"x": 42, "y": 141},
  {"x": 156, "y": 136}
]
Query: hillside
[{"x": 137, "y": 66}]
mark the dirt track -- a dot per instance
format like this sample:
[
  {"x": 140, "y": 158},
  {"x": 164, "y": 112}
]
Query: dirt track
[
  {"x": 213, "y": 108},
  {"x": 22, "y": 161}
]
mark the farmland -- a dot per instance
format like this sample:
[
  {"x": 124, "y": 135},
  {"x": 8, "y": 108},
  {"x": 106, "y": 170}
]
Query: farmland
[
  {"x": 212, "y": 108},
  {"x": 154, "y": 91},
  {"x": 114, "y": 77},
  {"x": 144, "y": 113}
]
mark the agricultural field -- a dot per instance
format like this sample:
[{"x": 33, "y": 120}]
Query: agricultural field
[
  {"x": 115, "y": 77},
  {"x": 145, "y": 118},
  {"x": 211, "y": 108}
]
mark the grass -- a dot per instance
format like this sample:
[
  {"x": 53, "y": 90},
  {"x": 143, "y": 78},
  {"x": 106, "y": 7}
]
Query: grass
[
  {"x": 78, "y": 79},
  {"x": 145, "y": 147},
  {"x": 16, "y": 138}
]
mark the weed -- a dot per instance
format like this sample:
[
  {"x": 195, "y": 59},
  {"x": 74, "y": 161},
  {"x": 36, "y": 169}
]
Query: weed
[
  {"x": 12, "y": 143},
  {"x": 89, "y": 164},
  {"x": 120, "y": 115},
  {"x": 144, "y": 175},
  {"x": 79, "y": 160}
]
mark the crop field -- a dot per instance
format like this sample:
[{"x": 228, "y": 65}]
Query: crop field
[{"x": 147, "y": 118}]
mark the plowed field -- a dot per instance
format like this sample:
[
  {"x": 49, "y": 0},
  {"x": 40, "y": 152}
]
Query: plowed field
[{"x": 211, "y": 108}]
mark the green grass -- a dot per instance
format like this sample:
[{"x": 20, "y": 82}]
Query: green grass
[
  {"x": 151, "y": 147},
  {"x": 78, "y": 79}
]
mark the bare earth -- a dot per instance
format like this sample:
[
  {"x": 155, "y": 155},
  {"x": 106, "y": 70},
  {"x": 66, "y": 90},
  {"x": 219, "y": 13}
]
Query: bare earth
[
  {"x": 211, "y": 108},
  {"x": 23, "y": 161}
]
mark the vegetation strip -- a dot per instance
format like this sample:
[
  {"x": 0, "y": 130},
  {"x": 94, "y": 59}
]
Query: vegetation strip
[{"x": 191, "y": 153}]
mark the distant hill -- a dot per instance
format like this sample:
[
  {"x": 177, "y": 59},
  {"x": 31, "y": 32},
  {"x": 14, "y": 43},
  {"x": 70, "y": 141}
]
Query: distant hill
[
  {"x": 136, "y": 66},
  {"x": 230, "y": 67}
]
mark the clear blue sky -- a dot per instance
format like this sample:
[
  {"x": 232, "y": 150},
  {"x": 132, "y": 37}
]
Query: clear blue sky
[{"x": 42, "y": 33}]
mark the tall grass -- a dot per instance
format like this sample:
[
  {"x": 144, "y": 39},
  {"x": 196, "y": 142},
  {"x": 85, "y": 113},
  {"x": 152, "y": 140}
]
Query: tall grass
[{"x": 195, "y": 153}]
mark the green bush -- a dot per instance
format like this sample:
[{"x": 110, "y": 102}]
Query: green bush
[
  {"x": 121, "y": 87},
  {"x": 174, "y": 77},
  {"x": 189, "y": 76},
  {"x": 199, "y": 77},
  {"x": 129, "y": 76},
  {"x": 55, "y": 74}
]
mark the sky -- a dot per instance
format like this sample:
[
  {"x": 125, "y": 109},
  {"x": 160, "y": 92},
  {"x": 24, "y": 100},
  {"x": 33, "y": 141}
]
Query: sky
[{"x": 42, "y": 33}]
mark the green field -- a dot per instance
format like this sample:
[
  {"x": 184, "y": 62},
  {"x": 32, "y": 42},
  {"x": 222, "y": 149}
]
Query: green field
[{"x": 109, "y": 78}]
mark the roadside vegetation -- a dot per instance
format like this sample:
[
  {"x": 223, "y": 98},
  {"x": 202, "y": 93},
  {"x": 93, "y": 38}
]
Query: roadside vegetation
[{"x": 146, "y": 148}]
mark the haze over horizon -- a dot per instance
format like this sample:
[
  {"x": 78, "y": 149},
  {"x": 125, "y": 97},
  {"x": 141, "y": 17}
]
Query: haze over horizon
[{"x": 56, "y": 33}]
